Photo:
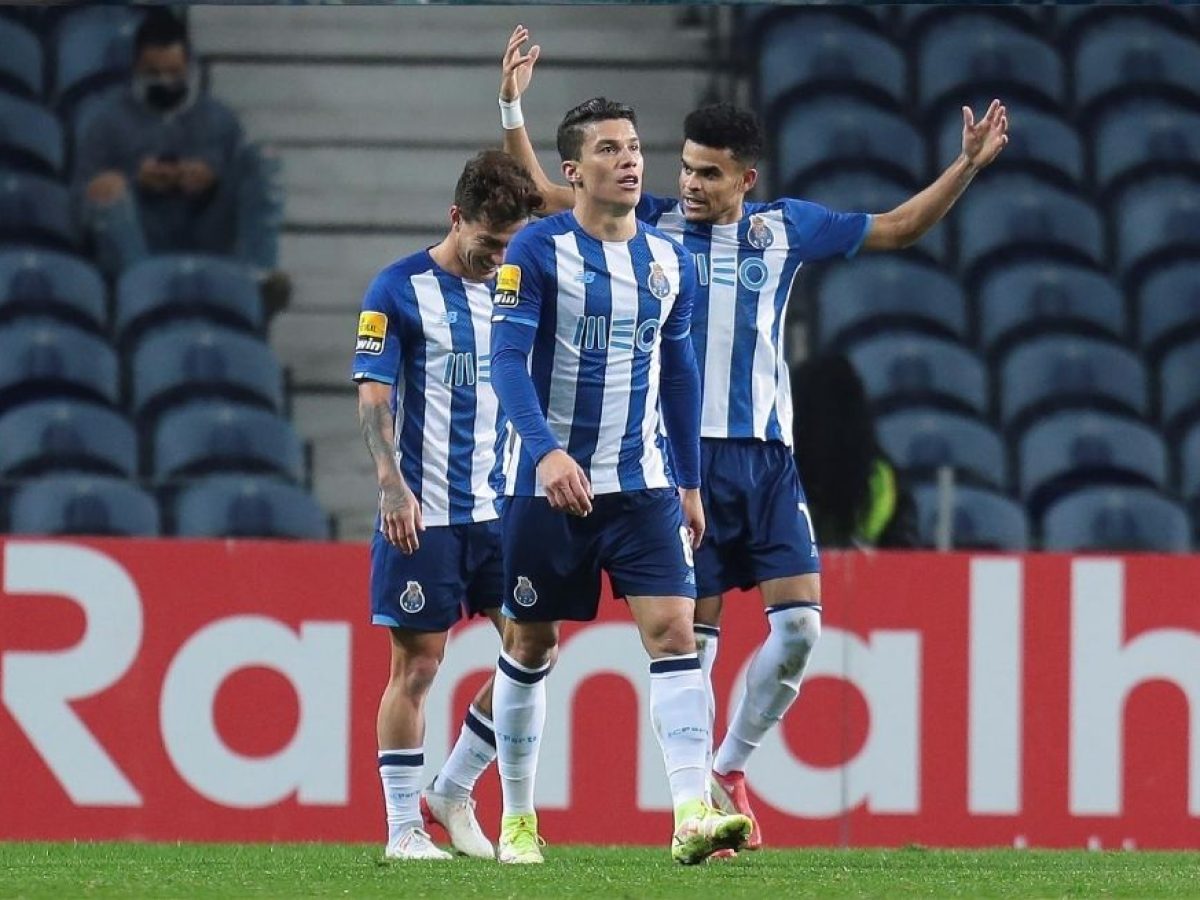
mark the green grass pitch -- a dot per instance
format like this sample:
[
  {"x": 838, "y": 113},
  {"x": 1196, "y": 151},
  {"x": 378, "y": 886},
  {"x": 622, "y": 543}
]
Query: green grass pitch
[{"x": 355, "y": 870}]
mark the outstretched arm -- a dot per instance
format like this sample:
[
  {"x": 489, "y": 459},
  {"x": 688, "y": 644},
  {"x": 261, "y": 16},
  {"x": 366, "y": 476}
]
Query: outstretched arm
[
  {"x": 981, "y": 143},
  {"x": 516, "y": 70}
]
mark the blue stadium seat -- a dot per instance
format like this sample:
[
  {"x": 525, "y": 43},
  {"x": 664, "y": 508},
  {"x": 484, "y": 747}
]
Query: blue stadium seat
[
  {"x": 822, "y": 135},
  {"x": 1169, "y": 306},
  {"x": 35, "y": 210},
  {"x": 162, "y": 288},
  {"x": 1126, "y": 57},
  {"x": 888, "y": 292},
  {"x": 21, "y": 61},
  {"x": 1156, "y": 220},
  {"x": 970, "y": 52},
  {"x": 44, "y": 282},
  {"x": 912, "y": 20},
  {"x": 920, "y": 441},
  {"x": 1189, "y": 469},
  {"x": 42, "y": 357},
  {"x": 1055, "y": 371},
  {"x": 980, "y": 519},
  {"x": 248, "y": 506},
  {"x": 95, "y": 49},
  {"x": 913, "y": 369},
  {"x": 1072, "y": 20},
  {"x": 1179, "y": 384},
  {"x": 1145, "y": 136},
  {"x": 871, "y": 193},
  {"x": 1074, "y": 449},
  {"x": 1041, "y": 143},
  {"x": 213, "y": 436},
  {"x": 1033, "y": 297},
  {"x": 190, "y": 360},
  {"x": 83, "y": 504},
  {"x": 825, "y": 50},
  {"x": 1019, "y": 214},
  {"x": 1116, "y": 518},
  {"x": 31, "y": 139},
  {"x": 66, "y": 434}
]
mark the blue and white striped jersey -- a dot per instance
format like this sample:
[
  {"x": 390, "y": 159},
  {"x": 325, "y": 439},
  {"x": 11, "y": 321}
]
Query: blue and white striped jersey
[
  {"x": 745, "y": 272},
  {"x": 591, "y": 317},
  {"x": 427, "y": 333}
]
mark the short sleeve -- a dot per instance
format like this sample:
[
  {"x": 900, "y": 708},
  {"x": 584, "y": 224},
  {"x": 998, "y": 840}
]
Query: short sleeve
[
  {"x": 377, "y": 348},
  {"x": 823, "y": 233}
]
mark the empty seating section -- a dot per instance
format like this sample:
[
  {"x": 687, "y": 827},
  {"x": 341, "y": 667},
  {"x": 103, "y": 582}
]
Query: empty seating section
[
  {"x": 1043, "y": 342},
  {"x": 150, "y": 406}
]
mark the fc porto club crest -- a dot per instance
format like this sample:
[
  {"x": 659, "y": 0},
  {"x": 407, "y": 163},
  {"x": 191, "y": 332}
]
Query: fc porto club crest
[
  {"x": 658, "y": 282},
  {"x": 413, "y": 598},
  {"x": 524, "y": 593},
  {"x": 760, "y": 234}
]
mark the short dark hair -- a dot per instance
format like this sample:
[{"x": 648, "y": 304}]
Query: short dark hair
[
  {"x": 495, "y": 188},
  {"x": 160, "y": 28},
  {"x": 598, "y": 109},
  {"x": 726, "y": 127}
]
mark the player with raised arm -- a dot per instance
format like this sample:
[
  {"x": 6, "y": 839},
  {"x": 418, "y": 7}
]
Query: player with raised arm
[
  {"x": 590, "y": 340},
  {"x": 432, "y": 424},
  {"x": 747, "y": 255}
]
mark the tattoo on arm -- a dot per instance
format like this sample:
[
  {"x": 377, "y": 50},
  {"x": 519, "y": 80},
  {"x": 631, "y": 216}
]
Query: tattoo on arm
[{"x": 377, "y": 428}]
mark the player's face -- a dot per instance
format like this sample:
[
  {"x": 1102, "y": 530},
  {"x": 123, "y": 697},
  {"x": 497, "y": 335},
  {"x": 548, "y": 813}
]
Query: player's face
[
  {"x": 480, "y": 245},
  {"x": 712, "y": 184},
  {"x": 610, "y": 166}
]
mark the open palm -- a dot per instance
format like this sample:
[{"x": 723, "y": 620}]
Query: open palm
[
  {"x": 517, "y": 67},
  {"x": 982, "y": 141}
]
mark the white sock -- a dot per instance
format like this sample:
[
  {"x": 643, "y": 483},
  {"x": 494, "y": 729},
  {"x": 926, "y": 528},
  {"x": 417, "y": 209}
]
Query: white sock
[
  {"x": 707, "y": 638},
  {"x": 472, "y": 753},
  {"x": 519, "y": 711},
  {"x": 400, "y": 772},
  {"x": 772, "y": 682},
  {"x": 679, "y": 711}
]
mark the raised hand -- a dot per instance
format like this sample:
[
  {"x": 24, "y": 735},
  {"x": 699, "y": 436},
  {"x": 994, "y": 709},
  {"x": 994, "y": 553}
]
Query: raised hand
[
  {"x": 517, "y": 68},
  {"x": 982, "y": 141}
]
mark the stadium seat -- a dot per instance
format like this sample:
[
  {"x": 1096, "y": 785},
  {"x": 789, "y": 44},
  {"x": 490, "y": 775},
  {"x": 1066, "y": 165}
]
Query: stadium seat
[
  {"x": 1054, "y": 371},
  {"x": 44, "y": 282},
  {"x": 1127, "y": 57},
  {"x": 1156, "y": 220},
  {"x": 912, "y": 369},
  {"x": 1008, "y": 215},
  {"x": 822, "y": 51},
  {"x": 31, "y": 139},
  {"x": 887, "y": 292},
  {"x": 1034, "y": 297},
  {"x": 1179, "y": 385},
  {"x": 871, "y": 193},
  {"x": 21, "y": 62},
  {"x": 822, "y": 135},
  {"x": 95, "y": 48},
  {"x": 1072, "y": 20},
  {"x": 83, "y": 504},
  {"x": 66, "y": 434},
  {"x": 162, "y": 288},
  {"x": 35, "y": 210},
  {"x": 1043, "y": 144},
  {"x": 1073, "y": 449},
  {"x": 189, "y": 360},
  {"x": 913, "y": 20},
  {"x": 1145, "y": 137},
  {"x": 1189, "y": 469},
  {"x": 980, "y": 519},
  {"x": 1116, "y": 518},
  {"x": 43, "y": 358},
  {"x": 920, "y": 441},
  {"x": 248, "y": 506},
  {"x": 212, "y": 436},
  {"x": 972, "y": 52},
  {"x": 1169, "y": 306}
]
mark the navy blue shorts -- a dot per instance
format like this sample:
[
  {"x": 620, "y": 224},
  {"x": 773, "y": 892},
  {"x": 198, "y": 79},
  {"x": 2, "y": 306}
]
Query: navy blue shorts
[
  {"x": 758, "y": 526},
  {"x": 552, "y": 560},
  {"x": 457, "y": 569}
]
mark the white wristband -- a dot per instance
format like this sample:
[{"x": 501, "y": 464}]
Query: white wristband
[{"x": 510, "y": 114}]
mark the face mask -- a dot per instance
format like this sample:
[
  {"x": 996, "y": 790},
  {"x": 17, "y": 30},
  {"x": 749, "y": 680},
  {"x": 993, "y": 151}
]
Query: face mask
[{"x": 162, "y": 94}]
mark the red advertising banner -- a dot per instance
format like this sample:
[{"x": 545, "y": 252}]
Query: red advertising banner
[{"x": 175, "y": 690}]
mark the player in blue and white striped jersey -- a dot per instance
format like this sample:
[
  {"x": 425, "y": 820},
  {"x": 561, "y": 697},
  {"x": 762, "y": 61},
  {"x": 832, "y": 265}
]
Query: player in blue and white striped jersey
[
  {"x": 433, "y": 425},
  {"x": 590, "y": 355},
  {"x": 747, "y": 254}
]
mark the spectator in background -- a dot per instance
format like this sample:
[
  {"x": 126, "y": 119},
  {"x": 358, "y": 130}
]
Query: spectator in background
[
  {"x": 854, "y": 494},
  {"x": 164, "y": 168}
]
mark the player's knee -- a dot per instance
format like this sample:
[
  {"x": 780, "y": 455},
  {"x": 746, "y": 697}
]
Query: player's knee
[
  {"x": 530, "y": 644},
  {"x": 669, "y": 638},
  {"x": 418, "y": 674},
  {"x": 797, "y": 628}
]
